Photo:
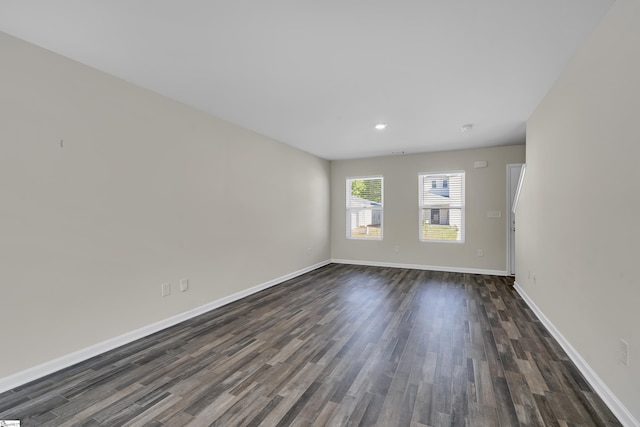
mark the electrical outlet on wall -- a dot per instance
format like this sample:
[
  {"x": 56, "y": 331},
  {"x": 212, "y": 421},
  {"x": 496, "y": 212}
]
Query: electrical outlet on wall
[
  {"x": 166, "y": 289},
  {"x": 623, "y": 354}
]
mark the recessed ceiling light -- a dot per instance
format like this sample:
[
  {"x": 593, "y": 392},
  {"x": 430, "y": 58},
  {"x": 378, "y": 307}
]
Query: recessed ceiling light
[
  {"x": 381, "y": 126},
  {"x": 466, "y": 128}
]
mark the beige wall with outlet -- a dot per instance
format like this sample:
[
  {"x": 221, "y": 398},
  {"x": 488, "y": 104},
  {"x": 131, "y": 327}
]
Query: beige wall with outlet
[
  {"x": 485, "y": 191},
  {"x": 578, "y": 215},
  {"x": 107, "y": 191}
]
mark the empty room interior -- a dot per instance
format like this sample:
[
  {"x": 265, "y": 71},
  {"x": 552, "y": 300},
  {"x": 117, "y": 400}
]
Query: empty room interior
[{"x": 320, "y": 213}]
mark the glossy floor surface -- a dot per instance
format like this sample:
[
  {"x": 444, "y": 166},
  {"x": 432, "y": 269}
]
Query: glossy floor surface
[{"x": 342, "y": 345}]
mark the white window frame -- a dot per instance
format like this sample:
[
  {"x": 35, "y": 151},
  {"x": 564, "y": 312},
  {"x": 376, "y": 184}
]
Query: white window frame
[
  {"x": 357, "y": 211},
  {"x": 424, "y": 207}
]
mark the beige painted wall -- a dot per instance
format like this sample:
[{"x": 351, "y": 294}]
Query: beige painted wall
[
  {"x": 582, "y": 164},
  {"x": 485, "y": 191},
  {"x": 145, "y": 190}
]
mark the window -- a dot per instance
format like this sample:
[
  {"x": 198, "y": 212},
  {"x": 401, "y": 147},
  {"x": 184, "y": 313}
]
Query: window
[
  {"x": 441, "y": 205},
  {"x": 364, "y": 208}
]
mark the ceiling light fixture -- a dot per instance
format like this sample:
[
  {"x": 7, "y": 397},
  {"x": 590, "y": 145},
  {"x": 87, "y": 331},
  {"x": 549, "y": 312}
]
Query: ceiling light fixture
[
  {"x": 466, "y": 128},
  {"x": 381, "y": 126}
]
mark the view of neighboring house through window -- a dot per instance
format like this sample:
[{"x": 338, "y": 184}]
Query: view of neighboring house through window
[
  {"x": 441, "y": 204},
  {"x": 364, "y": 208}
]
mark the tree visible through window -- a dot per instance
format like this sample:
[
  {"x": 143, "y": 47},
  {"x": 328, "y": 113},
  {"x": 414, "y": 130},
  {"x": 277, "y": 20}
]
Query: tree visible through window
[
  {"x": 364, "y": 208},
  {"x": 441, "y": 206}
]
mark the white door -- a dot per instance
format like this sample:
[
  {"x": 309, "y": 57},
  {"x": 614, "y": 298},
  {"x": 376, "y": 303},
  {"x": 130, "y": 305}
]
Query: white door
[{"x": 513, "y": 175}]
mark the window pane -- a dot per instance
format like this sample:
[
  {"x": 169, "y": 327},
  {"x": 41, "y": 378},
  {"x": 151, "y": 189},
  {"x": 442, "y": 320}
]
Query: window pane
[
  {"x": 441, "y": 206},
  {"x": 364, "y": 208}
]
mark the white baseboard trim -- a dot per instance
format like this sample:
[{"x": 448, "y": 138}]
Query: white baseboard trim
[
  {"x": 626, "y": 418},
  {"x": 39, "y": 371},
  {"x": 421, "y": 267}
]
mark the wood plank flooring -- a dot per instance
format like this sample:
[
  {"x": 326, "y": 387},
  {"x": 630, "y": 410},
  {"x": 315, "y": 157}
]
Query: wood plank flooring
[{"x": 343, "y": 345}]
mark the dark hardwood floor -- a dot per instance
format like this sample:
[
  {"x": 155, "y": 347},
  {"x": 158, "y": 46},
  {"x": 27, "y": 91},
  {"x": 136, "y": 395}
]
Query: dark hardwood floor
[{"x": 342, "y": 345}]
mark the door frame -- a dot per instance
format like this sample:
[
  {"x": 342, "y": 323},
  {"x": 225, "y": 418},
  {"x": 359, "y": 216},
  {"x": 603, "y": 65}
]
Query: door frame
[{"x": 511, "y": 216}]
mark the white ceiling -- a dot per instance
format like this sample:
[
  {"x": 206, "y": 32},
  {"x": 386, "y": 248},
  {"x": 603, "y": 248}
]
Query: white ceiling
[{"x": 319, "y": 74}]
